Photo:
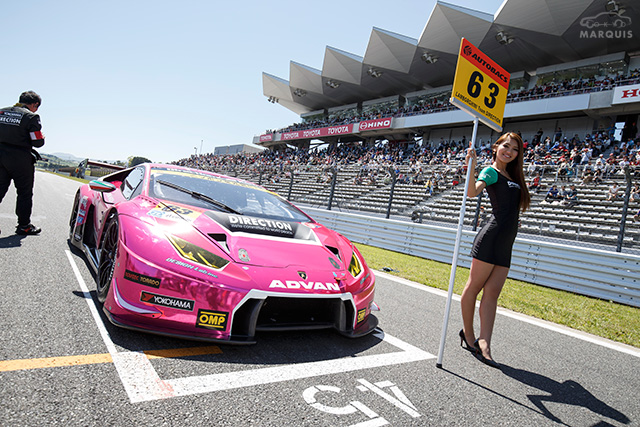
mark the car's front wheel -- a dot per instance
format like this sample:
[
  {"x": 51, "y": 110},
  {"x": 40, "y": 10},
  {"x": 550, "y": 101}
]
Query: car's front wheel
[
  {"x": 108, "y": 254},
  {"x": 74, "y": 215}
]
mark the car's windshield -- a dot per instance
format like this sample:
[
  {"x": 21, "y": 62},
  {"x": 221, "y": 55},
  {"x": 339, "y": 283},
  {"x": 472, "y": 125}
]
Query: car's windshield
[{"x": 241, "y": 197}]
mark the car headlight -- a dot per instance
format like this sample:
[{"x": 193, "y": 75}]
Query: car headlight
[
  {"x": 197, "y": 254},
  {"x": 355, "y": 268}
]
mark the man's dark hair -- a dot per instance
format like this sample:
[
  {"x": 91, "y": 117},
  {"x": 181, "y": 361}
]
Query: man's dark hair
[{"x": 30, "y": 97}]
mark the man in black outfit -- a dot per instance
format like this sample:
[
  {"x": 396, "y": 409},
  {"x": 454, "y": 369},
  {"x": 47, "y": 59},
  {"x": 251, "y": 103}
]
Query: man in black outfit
[{"x": 20, "y": 131}]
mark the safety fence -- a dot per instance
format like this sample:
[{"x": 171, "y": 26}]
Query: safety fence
[{"x": 597, "y": 273}]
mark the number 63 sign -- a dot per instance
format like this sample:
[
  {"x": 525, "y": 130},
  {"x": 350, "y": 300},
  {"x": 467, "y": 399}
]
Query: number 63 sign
[{"x": 480, "y": 86}]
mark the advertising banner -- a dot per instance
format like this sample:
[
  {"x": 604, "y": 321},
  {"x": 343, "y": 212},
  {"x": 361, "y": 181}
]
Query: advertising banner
[
  {"x": 317, "y": 133},
  {"x": 626, "y": 94}
]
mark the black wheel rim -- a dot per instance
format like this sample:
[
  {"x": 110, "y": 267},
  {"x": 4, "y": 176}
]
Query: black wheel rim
[{"x": 107, "y": 258}]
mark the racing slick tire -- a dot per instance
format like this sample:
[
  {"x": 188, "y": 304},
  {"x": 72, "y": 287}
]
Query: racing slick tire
[
  {"x": 74, "y": 214},
  {"x": 108, "y": 255}
]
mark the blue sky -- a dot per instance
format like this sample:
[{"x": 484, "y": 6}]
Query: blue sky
[{"x": 158, "y": 79}]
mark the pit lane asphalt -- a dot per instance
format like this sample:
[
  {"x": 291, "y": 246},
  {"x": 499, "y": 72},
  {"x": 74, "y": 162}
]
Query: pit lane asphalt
[{"x": 550, "y": 376}]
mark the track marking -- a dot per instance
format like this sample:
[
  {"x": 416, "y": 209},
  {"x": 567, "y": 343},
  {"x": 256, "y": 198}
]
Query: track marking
[
  {"x": 182, "y": 352},
  {"x": 92, "y": 359},
  {"x": 54, "y": 362},
  {"x": 111, "y": 348},
  {"x": 253, "y": 377}
]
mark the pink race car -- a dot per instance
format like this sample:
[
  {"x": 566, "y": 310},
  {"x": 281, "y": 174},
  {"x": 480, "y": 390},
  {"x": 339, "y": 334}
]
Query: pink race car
[{"x": 193, "y": 254}]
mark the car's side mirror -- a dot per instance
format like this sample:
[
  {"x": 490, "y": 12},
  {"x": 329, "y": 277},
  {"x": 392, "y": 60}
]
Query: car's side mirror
[{"x": 102, "y": 186}]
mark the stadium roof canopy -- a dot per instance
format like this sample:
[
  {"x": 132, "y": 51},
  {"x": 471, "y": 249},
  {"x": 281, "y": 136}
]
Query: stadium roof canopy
[{"x": 523, "y": 35}]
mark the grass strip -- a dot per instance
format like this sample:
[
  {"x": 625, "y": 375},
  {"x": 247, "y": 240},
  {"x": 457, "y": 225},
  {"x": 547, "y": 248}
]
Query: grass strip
[{"x": 606, "y": 319}]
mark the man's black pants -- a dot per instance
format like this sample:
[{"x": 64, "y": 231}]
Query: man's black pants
[{"x": 18, "y": 165}]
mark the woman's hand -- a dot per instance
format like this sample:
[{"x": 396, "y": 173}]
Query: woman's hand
[{"x": 471, "y": 155}]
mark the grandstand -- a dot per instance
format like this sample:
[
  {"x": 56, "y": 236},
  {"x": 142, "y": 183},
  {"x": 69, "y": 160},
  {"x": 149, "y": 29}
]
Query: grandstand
[
  {"x": 575, "y": 81},
  {"x": 564, "y": 71}
]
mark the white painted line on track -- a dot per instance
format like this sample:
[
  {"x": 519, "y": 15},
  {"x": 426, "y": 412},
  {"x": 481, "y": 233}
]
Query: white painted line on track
[
  {"x": 92, "y": 306},
  {"x": 134, "y": 368},
  {"x": 565, "y": 330}
]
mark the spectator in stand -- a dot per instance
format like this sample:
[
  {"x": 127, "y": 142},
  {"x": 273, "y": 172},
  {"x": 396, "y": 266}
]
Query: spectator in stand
[
  {"x": 636, "y": 217},
  {"x": 430, "y": 184},
  {"x": 613, "y": 193},
  {"x": 563, "y": 170},
  {"x": 558, "y": 134},
  {"x": 587, "y": 174},
  {"x": 624, "y": 163},
  {"x": 635, "y": 193},
  {"x": 610, "y": 166},
  {"x": 597, "y": 177},
  {"x": 538, "y": 137},
  {"x": 571, "y": 197},
  {"x": 553, "y": 195},
  {"x": 534, "y": 185},
  {"x": 600, "y": 164},
  {"x": 575, "y": 161}
]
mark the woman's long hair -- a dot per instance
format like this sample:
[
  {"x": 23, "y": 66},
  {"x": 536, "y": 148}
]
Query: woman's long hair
[{"x": 515, "y": 168}]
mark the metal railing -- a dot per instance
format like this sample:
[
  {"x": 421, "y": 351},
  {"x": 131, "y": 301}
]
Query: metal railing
[{"x": 592, "y": 221}]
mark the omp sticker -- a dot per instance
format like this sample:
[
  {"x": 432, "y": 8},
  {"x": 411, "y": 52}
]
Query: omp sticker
[
  {"x": 212, "y": 319},
  {"x": 362, "y": 314}
]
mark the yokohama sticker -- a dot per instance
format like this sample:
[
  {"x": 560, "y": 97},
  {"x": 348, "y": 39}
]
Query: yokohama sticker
[{"x": 163, "y": 300}]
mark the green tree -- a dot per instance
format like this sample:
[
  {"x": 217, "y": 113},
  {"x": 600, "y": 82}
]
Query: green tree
[{"x": 136, "y": 160}]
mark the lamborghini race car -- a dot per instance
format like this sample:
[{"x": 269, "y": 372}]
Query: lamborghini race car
[{"x": 193, "y": 254}]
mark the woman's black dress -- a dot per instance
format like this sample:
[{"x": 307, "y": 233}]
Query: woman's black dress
[{"x": 494, "y": 242}]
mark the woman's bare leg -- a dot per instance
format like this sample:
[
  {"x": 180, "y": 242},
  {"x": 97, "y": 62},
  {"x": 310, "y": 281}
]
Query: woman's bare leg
[
  {"x": 478, "y": 275},
  {"x": 488, "y": 307}
]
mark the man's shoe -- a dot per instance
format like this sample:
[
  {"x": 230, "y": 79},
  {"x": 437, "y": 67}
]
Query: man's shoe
[{"x": 28, "y": 230}]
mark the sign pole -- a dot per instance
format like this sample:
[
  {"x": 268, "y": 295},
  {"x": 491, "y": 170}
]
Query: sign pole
[
  {"x": 456, "y": 250},
  {"x": 480, "y": 88}
]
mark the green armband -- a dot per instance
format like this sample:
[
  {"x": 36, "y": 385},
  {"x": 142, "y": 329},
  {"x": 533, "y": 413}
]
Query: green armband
[{"x": 489, "y": 175}]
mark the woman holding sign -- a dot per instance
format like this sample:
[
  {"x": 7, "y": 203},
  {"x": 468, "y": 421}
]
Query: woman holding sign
[{"x": 508, "y": 194}]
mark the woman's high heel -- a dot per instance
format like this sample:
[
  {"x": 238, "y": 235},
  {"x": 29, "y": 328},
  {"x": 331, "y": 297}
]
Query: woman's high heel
[
  {"x": 480, "y": 357},
  {"x": 464, "y": 344}
]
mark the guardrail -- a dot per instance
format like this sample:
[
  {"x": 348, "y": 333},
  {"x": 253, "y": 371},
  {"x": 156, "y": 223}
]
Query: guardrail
[{"x": 602, "y": 274}]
